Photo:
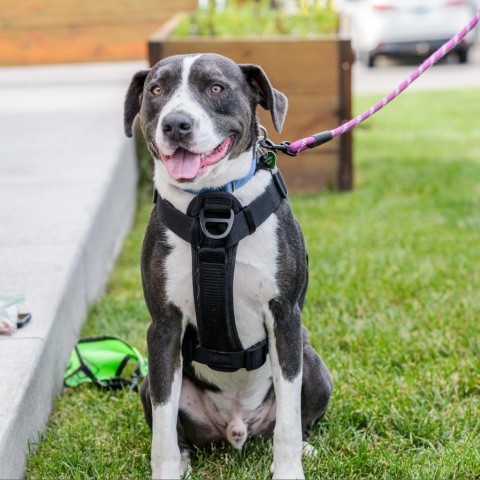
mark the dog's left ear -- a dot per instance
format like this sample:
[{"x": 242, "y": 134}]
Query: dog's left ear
[
  {"x": 133, "y": 100},
  {"x": 269, "y": 98}
]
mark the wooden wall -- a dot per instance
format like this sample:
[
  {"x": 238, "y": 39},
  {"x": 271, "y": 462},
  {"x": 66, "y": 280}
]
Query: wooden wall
[{"x": 54, "y": 31}]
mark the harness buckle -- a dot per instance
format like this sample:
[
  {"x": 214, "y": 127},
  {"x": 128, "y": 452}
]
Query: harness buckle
[{"x": 204, "y": 221}]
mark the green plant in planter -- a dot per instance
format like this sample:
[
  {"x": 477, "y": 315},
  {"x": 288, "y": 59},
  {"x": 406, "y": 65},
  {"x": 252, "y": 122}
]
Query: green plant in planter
[{"x": 258, "y": 18}]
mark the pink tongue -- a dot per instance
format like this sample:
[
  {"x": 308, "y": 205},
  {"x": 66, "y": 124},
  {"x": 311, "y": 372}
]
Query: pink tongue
[{"x": 183, "y": 164}]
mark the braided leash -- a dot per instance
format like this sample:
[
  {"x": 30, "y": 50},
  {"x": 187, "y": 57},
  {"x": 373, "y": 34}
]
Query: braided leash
[{"x": 319, "y": 138}]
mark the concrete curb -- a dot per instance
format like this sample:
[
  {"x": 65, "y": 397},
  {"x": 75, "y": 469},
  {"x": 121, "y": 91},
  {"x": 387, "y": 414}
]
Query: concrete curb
[{"x": 61, "y": 232}]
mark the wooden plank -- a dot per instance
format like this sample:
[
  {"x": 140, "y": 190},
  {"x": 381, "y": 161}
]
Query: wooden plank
[
  {"x": 306, "y": 115},
  {"x": 247, "y": 48},
  {"x": 61, "y": 13},
  {"x": 284, "y": 69},
  {"x": 74, "y": 45},
  {"x": 52, "y": 31},
  {"x": 345, "y": 171},
  {"x": 311, "y": 171}
]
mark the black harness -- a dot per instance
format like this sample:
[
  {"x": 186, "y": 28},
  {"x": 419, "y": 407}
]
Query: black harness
[{"x": 214, "y": 225}]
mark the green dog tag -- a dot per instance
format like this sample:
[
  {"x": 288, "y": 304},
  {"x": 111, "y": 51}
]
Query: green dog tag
[{"x": 269, "y": 159}]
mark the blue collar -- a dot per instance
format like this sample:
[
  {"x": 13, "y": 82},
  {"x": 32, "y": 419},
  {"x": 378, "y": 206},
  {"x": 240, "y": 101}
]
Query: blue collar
[{"x": 230, "y": 187}]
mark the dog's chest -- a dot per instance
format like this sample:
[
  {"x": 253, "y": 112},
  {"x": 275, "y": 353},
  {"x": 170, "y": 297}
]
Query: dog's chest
[{"x": 254, "y": 283}]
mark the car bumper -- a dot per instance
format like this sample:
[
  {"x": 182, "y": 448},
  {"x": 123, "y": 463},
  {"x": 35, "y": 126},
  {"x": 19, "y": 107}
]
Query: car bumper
[{"x": 423, "y": 48}]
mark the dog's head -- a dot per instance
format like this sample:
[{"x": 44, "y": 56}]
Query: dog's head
[{"x": 197, "y": 113}]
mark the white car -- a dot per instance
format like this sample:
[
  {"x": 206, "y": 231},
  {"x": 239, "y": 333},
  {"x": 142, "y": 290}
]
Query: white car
[{"x": 409, "y": 27}]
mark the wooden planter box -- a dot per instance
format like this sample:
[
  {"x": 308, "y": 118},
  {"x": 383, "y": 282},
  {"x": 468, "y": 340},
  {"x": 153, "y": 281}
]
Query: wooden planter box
[{"x": 315, "y": 74}]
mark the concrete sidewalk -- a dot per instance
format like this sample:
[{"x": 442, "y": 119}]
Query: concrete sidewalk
[{"x": 67, "y": 197}]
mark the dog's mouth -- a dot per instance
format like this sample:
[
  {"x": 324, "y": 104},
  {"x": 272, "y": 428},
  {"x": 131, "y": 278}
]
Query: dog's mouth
[{"x": 184, "y": 165}]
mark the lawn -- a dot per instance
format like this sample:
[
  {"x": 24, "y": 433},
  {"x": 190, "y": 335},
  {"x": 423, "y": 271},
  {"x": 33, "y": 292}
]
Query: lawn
[{"x": 393, "y": 307}]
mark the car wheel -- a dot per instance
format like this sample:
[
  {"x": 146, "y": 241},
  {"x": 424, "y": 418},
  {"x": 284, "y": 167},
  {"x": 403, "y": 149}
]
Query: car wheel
[
  {"x": 368, "y": 59},
  {"x": 462, "y": 55}
]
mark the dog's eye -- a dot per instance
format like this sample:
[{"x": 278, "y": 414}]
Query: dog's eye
[
  {"x": 156, "y": 90},
  {"x": 216, "y": 88}
]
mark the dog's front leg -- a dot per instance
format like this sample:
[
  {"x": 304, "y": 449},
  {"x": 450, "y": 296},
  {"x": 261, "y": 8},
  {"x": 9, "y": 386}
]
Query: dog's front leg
[
  {"x": 285, "y": 346},
  {"x": 165, "y": 378}
]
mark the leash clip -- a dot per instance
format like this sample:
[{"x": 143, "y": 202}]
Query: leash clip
[{"x": 266, "y": 143}]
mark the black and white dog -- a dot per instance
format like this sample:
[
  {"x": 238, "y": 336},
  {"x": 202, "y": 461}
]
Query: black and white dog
[{"x": 197, "y": 113}]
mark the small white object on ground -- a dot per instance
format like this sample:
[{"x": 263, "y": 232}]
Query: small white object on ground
[{"x": 9, "y": 313}]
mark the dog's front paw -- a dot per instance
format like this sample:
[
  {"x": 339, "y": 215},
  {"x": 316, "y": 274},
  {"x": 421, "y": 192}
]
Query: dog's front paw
[
  {"x": 284, "y": 472},
  {"x": 173, "y": 471},
  {"x": 167, "y": 470}
]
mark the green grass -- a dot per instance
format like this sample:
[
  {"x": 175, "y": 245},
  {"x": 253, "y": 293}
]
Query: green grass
[{"x": 393, "y": 307}]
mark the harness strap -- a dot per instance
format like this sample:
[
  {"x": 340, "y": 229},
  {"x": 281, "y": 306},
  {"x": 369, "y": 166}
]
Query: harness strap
[
  {"x": 245, "y": 222},
  {"x": 214, "y": 225},
  {"x": 213, "y": 293},
  {"x": 250, "y": 359}
]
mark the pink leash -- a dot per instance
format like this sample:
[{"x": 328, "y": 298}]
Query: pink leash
[{"x": 323, "y": 137}]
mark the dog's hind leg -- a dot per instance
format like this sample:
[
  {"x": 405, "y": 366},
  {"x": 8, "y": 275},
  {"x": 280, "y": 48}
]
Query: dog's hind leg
[
  {"x": 146, "y": 401},
  {"x": 317, "y": 387}
]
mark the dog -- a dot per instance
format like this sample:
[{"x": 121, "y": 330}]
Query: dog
[{"x": 198, "y": 116}]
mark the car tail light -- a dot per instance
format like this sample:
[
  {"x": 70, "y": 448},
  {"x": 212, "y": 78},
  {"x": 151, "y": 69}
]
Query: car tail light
[
  {"x": 455, "y": 3},
  {"x": 383, "y": 7}
]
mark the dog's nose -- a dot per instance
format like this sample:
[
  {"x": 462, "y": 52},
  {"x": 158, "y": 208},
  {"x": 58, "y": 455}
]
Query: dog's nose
[{"x": 177, "y": 125}]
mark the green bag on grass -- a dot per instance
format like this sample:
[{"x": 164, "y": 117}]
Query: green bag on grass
[{"x": 101, "y": 361}]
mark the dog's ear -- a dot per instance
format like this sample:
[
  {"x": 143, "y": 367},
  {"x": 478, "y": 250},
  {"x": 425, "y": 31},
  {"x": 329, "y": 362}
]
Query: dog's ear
[
  {"x": 133, "y": 100},
  {"x": 268, "y": 97}
]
